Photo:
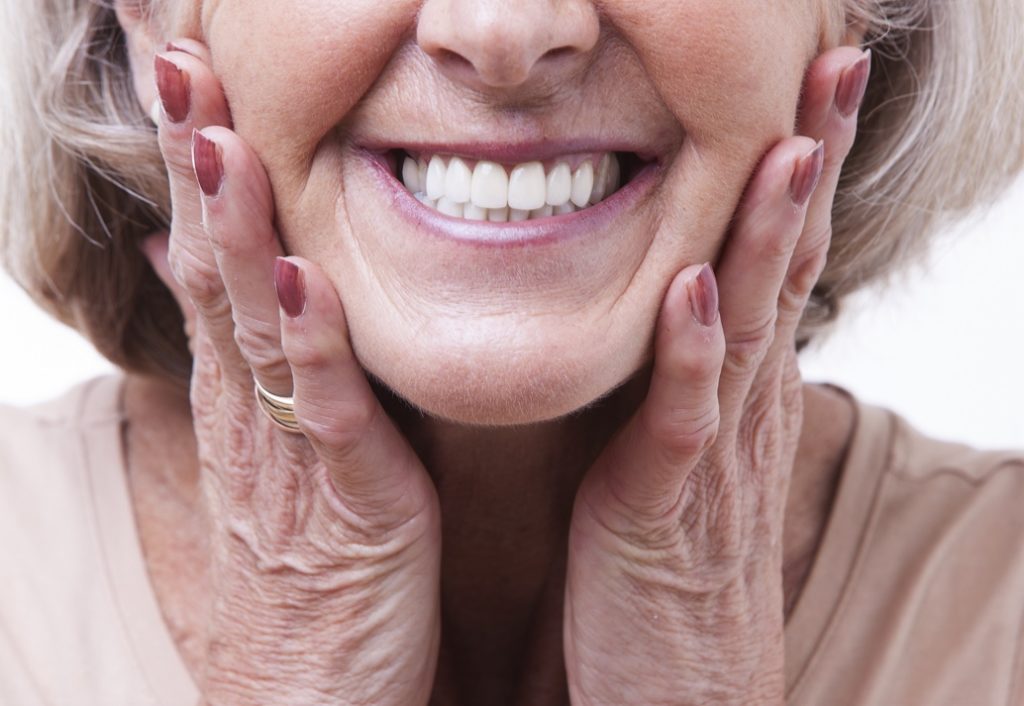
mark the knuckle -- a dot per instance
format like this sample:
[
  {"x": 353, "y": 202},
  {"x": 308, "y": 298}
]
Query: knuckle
[
  {"x": 233, "y": 474},
  {"x": 207, "y": 295},
  {"x": 791, "y": 298},
  {"x": 339, "y": 427},
  {"x": 747, "y": 346},
  {"x": 303, "y": 355},
  {"x": 800, "y": 281},
  {"x": 260, "y": 344},
  {"x": 272, "y": 366},
  {"x": 815, "y": 241},
  {"x": 776, "y": 245},
  {"x": 792, "y": 401},
  {"x": 683, "y": 432},
  {"x": 201, "y": 282},
  {"x": 694, "y": 364},
  {"x": 760, "y": 434}
]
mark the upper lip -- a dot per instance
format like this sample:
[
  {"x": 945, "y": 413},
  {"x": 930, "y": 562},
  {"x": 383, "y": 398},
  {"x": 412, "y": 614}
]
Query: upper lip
[{"x": 517, "y": 152}]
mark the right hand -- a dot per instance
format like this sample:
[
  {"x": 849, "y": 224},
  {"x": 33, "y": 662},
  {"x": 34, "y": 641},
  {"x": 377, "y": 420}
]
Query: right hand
[{"x": 325, "y": 546}]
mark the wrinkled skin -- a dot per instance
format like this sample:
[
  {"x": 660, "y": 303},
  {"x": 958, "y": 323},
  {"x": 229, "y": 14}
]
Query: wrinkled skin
[{"x": 325, "y": 547}]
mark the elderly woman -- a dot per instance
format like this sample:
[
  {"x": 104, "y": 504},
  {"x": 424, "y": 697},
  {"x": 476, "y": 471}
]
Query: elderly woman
[{"x": 459, "y": 345}]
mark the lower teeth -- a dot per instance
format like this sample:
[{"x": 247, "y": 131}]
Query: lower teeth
[{"x": 495, "y": 215}]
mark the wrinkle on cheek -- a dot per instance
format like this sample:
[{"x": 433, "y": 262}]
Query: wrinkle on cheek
[
  {"x": 292, "y": 71},
  {"x": 728, "y": 70}
]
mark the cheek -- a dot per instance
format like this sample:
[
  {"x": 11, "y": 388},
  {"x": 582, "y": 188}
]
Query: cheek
[
  {"x": 292, "y": 71},
  {"x": 721, "y": 64},
  {"x": 731, "y": 76}
]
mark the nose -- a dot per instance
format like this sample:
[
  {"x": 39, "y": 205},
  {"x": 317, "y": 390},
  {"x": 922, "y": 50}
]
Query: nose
[{"x": 487, "y": 44}]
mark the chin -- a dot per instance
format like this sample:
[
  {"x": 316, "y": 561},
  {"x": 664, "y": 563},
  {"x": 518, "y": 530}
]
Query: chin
[{"x": 497, "y": 386}]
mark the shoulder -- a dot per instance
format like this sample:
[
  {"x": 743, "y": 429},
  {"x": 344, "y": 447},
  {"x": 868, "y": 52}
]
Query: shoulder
[
  {"x": 92, "y": 403},
  {"x": 73, "y": 584},
  {"x": 45, "y": 451},
  {"x": 960, "y": 501},
  {"x": 893, "y": 446},
  {"x": 957, "y": 507},
  {"x": 915, "y": 457},
  {"x": 923, "y": 565}
]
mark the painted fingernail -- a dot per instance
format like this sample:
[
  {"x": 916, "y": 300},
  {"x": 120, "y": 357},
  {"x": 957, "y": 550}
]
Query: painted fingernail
[
  {"x": 291, "y": 289},
  {"x": 704, "y": 297},
  {"x": 852, "y": 84},
  {"x": 806, "y": 174},
  {"x": 173, "y": 86},
  {"x": 206, "y": 160}
]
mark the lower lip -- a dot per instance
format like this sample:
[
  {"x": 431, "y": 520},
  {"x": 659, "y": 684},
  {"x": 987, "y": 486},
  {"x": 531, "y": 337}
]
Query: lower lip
[{"x": 534, "y": 232}]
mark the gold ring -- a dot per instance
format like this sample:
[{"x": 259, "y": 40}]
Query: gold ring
[{"x": 280, "y": 410}]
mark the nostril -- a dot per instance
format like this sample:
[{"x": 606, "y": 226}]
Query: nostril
[
  {"x": 497, "y": 59},
  {"x": 453, "y": 59},
  {"x": 489, "y": 44},
  {"x": 559, "y": 53}
]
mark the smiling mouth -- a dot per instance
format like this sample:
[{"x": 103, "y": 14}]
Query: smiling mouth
[{"x": 484, "y": 190}]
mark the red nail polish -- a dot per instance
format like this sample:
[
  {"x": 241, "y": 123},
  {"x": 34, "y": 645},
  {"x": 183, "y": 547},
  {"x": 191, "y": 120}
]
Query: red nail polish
[
  {"x": 207, "y": 162},
  {"x": 291, "y": 288},
  {"x": 806, "y": 174},
  {"x": 704, "y": 297},
  {"x": 173, "y": 85},
  {"x": 852, "y": 84}
]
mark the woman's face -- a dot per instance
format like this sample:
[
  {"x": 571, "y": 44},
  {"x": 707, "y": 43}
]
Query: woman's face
[{"x": 507, "y": 323}]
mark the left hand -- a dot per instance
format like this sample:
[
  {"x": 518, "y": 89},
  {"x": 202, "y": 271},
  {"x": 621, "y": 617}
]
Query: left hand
[{"x": 674, "y": 583}]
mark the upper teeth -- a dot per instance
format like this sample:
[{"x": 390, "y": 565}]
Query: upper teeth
[{"x": 487, "y": 191}]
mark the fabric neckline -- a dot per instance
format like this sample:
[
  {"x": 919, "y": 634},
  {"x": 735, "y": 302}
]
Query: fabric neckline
[
  {"x": 868, "y": 457},
  {"x": 142, "y": 621}
]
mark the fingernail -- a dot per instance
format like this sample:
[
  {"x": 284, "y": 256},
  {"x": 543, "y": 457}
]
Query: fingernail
[
  {"x": 173, "y": 85},
  {"x": 852, "y": 84},
  {"x": 806, "y": 174},
  {"x": 704, "y": 297},
  {"x": 206, "y": 160},
  {"x": 291, "y": 290}
]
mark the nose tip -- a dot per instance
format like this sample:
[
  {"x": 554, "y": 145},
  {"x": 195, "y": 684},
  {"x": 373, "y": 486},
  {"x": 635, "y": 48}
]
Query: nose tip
[{"x": 494, "y": 44}]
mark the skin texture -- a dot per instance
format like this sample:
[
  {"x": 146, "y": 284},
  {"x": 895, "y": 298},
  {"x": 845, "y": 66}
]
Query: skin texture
[
  {"x": 709, "y": 103},
  {"x": 658, "y": 513}
]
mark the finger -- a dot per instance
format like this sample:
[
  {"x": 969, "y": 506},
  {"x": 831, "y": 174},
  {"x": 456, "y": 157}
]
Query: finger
[
  {"x": 645, "y": 468},
  {"x": 372, "y": 468},
  {"x": 193, "y": 47},
  {"x": 191, "y": 98},
  {"x": 238, "y": 213},
  {"x": 833, "y": 92},
  {"x": 756, "y": 258}
]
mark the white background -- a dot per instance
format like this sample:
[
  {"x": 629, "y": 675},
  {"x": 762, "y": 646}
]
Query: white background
[{"x": 944, "y": 347}]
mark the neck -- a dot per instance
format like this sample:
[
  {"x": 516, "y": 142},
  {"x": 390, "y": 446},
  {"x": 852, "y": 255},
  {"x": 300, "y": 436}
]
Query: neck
[{"x": 506, "y": 497}]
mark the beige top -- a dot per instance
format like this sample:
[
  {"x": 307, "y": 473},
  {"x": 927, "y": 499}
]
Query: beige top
[{"x": 916, "y": 595}]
